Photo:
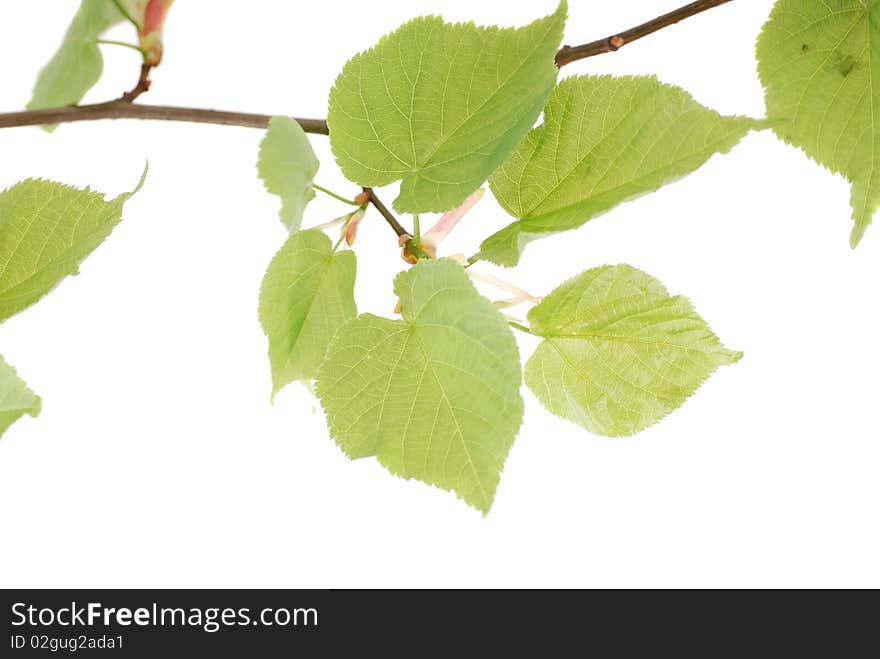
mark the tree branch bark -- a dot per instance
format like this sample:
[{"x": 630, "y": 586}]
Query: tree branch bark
[
  {"x": 125, "y": 108},
  {"x": 387, "y": 214},
  {"x": 569, "y": 54}
]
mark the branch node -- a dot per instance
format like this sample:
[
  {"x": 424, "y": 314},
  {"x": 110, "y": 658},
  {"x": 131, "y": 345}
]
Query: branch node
[{"x": 142, "y": 86}]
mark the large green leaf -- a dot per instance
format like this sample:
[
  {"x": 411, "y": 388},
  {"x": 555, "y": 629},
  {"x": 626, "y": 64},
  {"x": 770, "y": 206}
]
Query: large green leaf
[
  {"x": 618, "y": 352},
  {"x": 46, "y": 230},
  {"x": 288, "y": 166},
  {"x": 78, "y": 64},
  {"x": 441, "y": 106},
  {"x": 16, "y": 399},
  {"x": 820, "y": 65},
  {"x": 307, "y": 295},
  {"x": 434, "y": 396},
  {"x": 604, "y": 140}
]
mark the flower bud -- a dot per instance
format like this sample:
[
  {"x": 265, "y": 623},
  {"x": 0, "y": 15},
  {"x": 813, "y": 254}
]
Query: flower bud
[
  {"x": 405, "y": 253},
  {"x": 447, "y": 223},
  {"x": 151, "y": 32},
  {"x": 351, "y": 226},
  {"x": 150, "y": 17}
]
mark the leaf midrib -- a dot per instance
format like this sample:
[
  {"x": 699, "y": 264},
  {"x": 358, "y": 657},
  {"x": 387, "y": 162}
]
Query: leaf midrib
[{"x": 523, "y": 61}]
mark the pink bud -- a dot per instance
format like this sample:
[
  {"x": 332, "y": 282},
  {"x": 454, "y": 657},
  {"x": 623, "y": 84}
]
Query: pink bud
[
  {"x": 447, "y": 223},
  {"x": 152, "y": 25},
  {"x": 351, "y": 227}
]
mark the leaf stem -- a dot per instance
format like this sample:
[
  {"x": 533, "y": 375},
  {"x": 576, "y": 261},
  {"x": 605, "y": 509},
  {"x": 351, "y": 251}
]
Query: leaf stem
[
  {"x": 569, "y": 54},
  {"x": 523, "y": 328},
  {"x": 111, "y": 42},
  {"x": 338, "y": 197},
  {"x": 417, "y": 228}
]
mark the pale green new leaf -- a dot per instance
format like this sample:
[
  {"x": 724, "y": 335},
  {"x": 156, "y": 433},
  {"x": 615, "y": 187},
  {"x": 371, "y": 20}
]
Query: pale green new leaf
[
  {"x": 619, "y": 352},
  {"x": 434, "y": 396},
  {"x": 440, "y": 106},
  {"x": 288, "y": 166},
  {"x": 604, "y": 140},
  {"x": 16, "y": 399},
  {"x": 77, "y": 65},
  {"x": 820, "y": 65},
  {"x": 307, "y": 295},
  {"x": 46, "y": 230},
  {"x": 134, "y": 11}
]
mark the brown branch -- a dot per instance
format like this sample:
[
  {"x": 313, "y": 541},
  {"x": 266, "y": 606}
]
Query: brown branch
[
  {"x": 411, "y": 251},
  {"x": 122, "y": 109},
  {"x": 569, "y": 54},
  {"x": 387, "y": 214},
  {"x": 125, "y": 108},
  {"x": 142, "y": 86}
]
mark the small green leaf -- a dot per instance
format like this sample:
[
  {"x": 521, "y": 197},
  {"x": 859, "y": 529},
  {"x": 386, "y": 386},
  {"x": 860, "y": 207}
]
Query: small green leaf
[
  {"x": 434, "y": 396},
  {"x": 604, "y": 140},
  {"x": 307, "y": 295},
  {"x": 288, "y": 167},
  {"x": 619, "y": 353},
  {"x": 46, "y": 230},
  {"x": 134, "y": 11},
  {"x": 820, "y": 65},
  {"x": 78, "y": 64},
  {"x": 16, "y": 399},
  {"x": 441, "y": 106}
]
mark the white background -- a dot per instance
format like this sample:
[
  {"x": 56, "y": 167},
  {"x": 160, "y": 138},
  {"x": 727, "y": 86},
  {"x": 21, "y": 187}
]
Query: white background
[{"x": 158, "y": 460}]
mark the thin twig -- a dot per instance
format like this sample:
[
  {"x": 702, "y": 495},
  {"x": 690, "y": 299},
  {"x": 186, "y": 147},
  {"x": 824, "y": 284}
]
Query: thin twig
[
  {"x": 522, "y": 328},
  {"x": 125, "y": 107},
  {"x": 406, "y": 239},
  {"x": 387, "y": 214},
  {"x": 569, "y": 54},
  {"x": 122, "y": 109},
  {"x": 142, "y": 86}
]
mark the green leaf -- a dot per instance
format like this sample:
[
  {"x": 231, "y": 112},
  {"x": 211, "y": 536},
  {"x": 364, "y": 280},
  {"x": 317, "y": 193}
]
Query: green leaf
[
  {"x": 46, "y": 230},
  {"x": 78, "y": 64},
  {"x": 604, "y": 140},
  {"x": 434, "y": 396},
  {"x": 307, "y": 295},
  {"x": 441, "y": 106},
  {"x": 134, "y": 11},
  {"x": 288, "y": 167},
  {"x": 619, "y": 353},
  {"x": 16, "y": 399},
  {"x": 820, "y": 65}
]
